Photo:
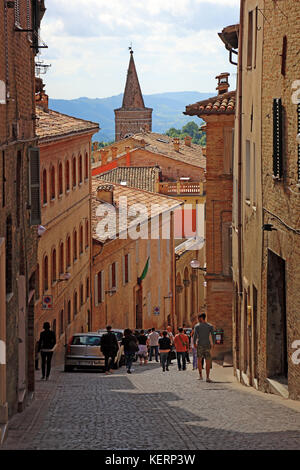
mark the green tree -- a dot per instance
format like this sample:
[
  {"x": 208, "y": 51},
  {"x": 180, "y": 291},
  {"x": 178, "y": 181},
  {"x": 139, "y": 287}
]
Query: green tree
[{"x": 191, "y": 129}]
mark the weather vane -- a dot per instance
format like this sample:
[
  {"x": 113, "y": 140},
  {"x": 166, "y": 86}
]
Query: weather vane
[{"x": 130, "y": 48}]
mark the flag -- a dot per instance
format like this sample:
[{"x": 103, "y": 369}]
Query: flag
[{"x": 144, "y": 273}]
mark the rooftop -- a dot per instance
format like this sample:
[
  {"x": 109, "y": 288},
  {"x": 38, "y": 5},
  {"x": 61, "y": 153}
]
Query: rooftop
[
  {"x": 155, "y": 204},
  {"x": 220, "y": 104},
  {"x": 52, "y": 125},
  {"x": 136, "y": 176}
]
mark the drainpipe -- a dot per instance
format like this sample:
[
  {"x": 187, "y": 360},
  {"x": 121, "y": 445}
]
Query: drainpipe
[{"x": 240, "y": 119}]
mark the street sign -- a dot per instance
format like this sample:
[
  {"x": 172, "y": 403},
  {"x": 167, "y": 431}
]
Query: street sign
[
  {"x": 156, "y": 311},
  {"x": 47, "y": 302}
]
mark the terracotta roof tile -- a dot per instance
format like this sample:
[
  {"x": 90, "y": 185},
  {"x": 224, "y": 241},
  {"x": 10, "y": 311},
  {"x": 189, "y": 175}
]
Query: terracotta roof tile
[
  {"x": 155, "y": 203},
  {"x": 52, "y": 124},
  {"x": 221, "y": 104},
  {"x": 135, "y": 176}
]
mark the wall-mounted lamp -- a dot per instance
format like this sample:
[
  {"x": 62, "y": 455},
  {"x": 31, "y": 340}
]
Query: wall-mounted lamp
[
  {"x": 268, "y": 228},
  {"x": 195, "y": 264}
]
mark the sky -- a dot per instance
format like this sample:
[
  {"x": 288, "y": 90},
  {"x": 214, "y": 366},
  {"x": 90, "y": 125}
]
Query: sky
[{"x": 175, "y": 42}]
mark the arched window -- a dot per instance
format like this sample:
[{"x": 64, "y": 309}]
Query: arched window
[
  {"x": 61, "y": 322},
  {"x": 52, "y": 183},
  {"x": 9, "y": 264},
  {"x": 67, "y": 175},
  {"x": 81, "y": 239},
  {"x": 61, "y": 258},
  {"x": 81, "y": 294},
  {"x": 75, "y": 306},
  {"x": 45, "y": 274},
  {"x": 69, "y": 312},
  {"x": 74, "y": 172},
  {"x": 44, "y": 186},
  {"x": 53, "y": 275},
  {"x": 87, "y": 288},
  {"x": 37, "y": 282},
  {"x": 68, "y": 251},
  {"x": 60, "y": 179},
  {"x": 86, "y": 233},
  {"x": 80, "y": 169},
  {"x": 86, "y": 166},
  {"x": 74, "y": 245}
]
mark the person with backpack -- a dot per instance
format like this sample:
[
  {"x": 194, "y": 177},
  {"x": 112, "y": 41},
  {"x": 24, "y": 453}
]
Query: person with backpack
[
  {"x": 181, "y": 342},
  {"x": 130, "y": 344},
  {"x": 109, "y": 347},
  {"x": 46, "y": 346}
]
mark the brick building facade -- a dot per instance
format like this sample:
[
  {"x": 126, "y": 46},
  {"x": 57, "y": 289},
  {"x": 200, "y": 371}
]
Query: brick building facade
[
  {"x": 64, "y": 249},
  {"x": 218, "y": 113},
  {"x": 19, "y": 200},
  {"x": 133, "y": 116}
]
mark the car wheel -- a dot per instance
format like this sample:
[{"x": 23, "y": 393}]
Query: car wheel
[{"x": 69, "y": 368}]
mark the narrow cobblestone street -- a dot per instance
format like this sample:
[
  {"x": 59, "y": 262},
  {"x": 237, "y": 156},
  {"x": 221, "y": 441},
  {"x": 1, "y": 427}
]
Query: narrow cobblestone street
[{"x": 150, "y": 409}]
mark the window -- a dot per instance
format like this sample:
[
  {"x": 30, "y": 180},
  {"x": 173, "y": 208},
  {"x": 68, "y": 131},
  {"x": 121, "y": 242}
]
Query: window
[
  {"x": 283, "y": 56},
  {"x": 80, "y": 169},
  {"x": 86, "y": 166},
  {"x": 113, "y": 276},
  {"x": 81, "y": 294},
  {"x": 74, "y": 172},
  {"x": 126, "y": 269},
  {"x": 255, "y": 35},
  {"x": 68, "y": 251},
  {"x": 61, "y": 322},
  {"x": 53, "y": 276},
  {"x": 250, "y": 39},
  {"x": 34, "y": 179},
  {"x": 44, "y": 186},
  {"x": 9, "y": 264},
  {"x": 60, "y": 179},
  {"x": 99, "y": 288},
  {"x": 81, "y": 239},
  {"x": 87, "y": 288},
  {"x": 69, "y": 312},
  {"x": 45, "y": 274},
  {"x": 52, "y": 183},
  {"x": 86, "y": 233},
  {"x": 61, "y": 258},
  {"x": 37, "y": 282},
  {"x": 75, "y": 246},
  {"x": 247, "y": 171},
  {"x": 277, "y": 139},
  {"x": 226, "y": 248},
  {"x": 67, "y": 175},
  {"x": 75, "y": 306}
]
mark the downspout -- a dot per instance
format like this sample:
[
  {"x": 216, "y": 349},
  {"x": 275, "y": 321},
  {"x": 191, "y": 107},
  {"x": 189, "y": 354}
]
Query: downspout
[{"x": 240, "y": 117}]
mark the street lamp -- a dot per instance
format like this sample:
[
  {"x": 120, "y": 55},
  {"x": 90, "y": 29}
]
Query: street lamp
[{"x": 195, "y": 264}]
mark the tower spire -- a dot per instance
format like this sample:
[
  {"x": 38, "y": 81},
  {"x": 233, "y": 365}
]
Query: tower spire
[{"x": 133, "y": 98}]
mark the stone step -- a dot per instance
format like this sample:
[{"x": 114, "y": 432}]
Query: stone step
[{"x": 278, "y": 388}]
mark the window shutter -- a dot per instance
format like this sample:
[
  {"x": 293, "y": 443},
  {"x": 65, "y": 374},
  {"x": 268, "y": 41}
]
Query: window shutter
[
  {"x": 123, "y": 270},
  {"x": 228, "y": 140},
  {"x": 110, "y": 277},
  {"x": 96, "y": 290},
  {"x": 298, "y": 112},
  {"x": 129, "y": 273},
  {"x": 102, "y": 286},
  {"x": 117, "y": 274},
  {"x": 277, "y": 139},
  {"x": 34, "y": 182}
]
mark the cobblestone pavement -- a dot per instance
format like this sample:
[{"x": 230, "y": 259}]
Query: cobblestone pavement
[{"x": 150, "y": 409}]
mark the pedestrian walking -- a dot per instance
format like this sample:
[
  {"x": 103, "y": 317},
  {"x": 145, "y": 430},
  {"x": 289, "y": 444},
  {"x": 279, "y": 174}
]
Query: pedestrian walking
[
  {"x": 181, "y": 342},
  {"x": 171, "y": 336},
  {"x": 46, "y": 346},
  {"x": 187, "y": 354},
  {"x": 143, "y": 349},
  {"x": 164, "y": 349},
  {"x": 109, "y": 346},
  {"x": 130, "y": 344},
  {"x": 153, "y": 343},
  {"x": 204, "y": 340}
]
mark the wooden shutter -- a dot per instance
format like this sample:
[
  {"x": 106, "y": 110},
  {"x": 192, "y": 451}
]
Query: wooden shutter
[
  {"x": 298, "y": 112},
  {"x": 277, "y": 139},
  {"x": 124, "y": 269},
  {"x": 96, "y": 290},
  {"x": 34, "y": 183},
  {"x": 129, "y": 265},
  {"x": 102, "y": 286}
]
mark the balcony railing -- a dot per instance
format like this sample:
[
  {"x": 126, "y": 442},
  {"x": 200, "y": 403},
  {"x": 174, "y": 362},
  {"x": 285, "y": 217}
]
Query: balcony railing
[{"x": 181, "y": 187}]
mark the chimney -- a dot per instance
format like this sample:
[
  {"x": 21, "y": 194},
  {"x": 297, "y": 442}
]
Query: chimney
[
  {"x": 41, "y": 99},
  {"x": 223, "y": 84},
  {"x": 188, "y": 140},
  {"x": 105, "y": 193},
  {"x": 114, "y": 152},
  {"x": 127, "y": 150},
  {"x": 104, "y": 156},
  {"x": 176, "y": 144}
]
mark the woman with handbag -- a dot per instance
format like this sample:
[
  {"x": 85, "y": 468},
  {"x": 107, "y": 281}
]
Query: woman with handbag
[{"x": 130, "y": 348}]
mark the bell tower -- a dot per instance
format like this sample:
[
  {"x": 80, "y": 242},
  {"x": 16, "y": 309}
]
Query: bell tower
[{"x": 133, "y": 117}]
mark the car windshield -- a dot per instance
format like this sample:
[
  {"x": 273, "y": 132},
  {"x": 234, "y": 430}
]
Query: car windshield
[{"x": 86, "y": 340}]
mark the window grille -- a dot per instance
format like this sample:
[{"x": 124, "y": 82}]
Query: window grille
[{"x": 277, "y": 139}]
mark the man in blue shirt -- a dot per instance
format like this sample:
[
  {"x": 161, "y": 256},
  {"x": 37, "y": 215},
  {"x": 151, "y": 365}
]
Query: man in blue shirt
[{"x": 204, "y": 340}]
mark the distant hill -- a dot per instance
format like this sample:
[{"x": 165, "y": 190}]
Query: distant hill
[{"x": 167, "y": 110}]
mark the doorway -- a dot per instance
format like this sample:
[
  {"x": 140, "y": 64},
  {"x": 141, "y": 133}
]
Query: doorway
[
  {"x": 139, "y": 309},
  {"x": 277, "y": 357}
]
